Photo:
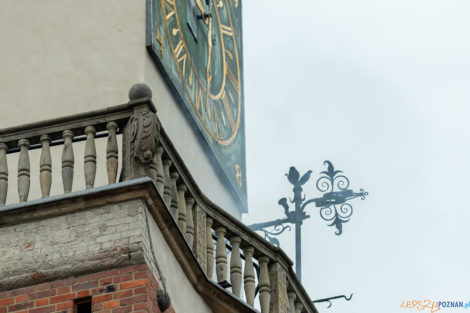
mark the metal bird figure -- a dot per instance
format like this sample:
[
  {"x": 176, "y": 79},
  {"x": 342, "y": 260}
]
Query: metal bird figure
[
  {"x": 293, "y": 175},
  {"x": 305, "y": 178}
]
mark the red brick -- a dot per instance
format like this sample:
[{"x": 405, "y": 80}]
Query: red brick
[
  {"x": 111, "y": 304},
  {"x": 142, "y": 274},
  {"x": 64, "y": 282},
  {"x": 121, "y": 278},
  {"x": 133, "y": 284},
  {"x": 134, "y": 268},
  {"x": 42, "y": 294},
  {"x": 3, "y": 310},
  {"x": 109, "y": 273},
  {"x": 83, "y": 293},
  {"x": 140, "y": 291},
  {"x": 87, "y": 285},
  {"x": 43, "y": 287},
  {"x": 63, "y": 290},
  {"x": 65, "y": 305},
  {"x": 22, "y": 298},
  {"x": 126, "y": 309},
  {"x": 46, "y": 309},
  {"x": 123, "y": 294},
  {"x": 42, "y": 302},
  {"x": 83, "y": 279},
  {"x": 106, "y": 281},
  {"x": 63, "y": 298},
  {"x": 140, "y": 306},
  {"x": 97, "y": 307},
  {"x": 21, "y": 306},
  {"x": 102, "y": 298},
  {"x": 133, "y": 300},
  {"x": 98, "y": 291},
  {"x": 7, "y": 301}
]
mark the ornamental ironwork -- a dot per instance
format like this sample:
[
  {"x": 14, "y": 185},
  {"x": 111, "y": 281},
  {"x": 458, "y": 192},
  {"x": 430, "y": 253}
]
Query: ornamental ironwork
[{"x": 334, "y": 206}]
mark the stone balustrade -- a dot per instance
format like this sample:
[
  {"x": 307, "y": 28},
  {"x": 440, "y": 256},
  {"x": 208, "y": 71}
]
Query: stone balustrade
[{"x": 242, "y": 263}]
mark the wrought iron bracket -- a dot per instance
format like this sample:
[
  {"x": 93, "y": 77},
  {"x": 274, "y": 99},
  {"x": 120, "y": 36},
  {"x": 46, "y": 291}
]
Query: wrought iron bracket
[{"x": 332, "y": 298}]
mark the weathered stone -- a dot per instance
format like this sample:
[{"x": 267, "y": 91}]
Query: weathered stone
[
  {"x": 278, "y": 285},
  {"x": 139, "y": 91},
  {"x": 200, "y": 236}
]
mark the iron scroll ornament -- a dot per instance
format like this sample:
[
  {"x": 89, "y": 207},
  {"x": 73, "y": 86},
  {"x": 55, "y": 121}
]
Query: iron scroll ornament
[{"x": 333, "y": 204}]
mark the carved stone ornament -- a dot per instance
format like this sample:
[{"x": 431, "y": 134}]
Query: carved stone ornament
[{"x": 140, "y": 144}]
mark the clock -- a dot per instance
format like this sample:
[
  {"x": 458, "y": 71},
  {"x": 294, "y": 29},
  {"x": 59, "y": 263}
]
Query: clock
[{"x": 197, "y": 45}]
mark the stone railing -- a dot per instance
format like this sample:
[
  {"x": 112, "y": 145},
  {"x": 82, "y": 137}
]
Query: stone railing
[{"x": 263, "y": 270}]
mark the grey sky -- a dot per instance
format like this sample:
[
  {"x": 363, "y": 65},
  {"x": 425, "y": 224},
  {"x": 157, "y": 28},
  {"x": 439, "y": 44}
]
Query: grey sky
[{"x": 380, "y": 88}]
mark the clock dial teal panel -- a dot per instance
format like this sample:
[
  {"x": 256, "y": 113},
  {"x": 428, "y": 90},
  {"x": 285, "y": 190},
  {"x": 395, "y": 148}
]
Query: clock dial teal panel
[{"x": 197, "y": 45}]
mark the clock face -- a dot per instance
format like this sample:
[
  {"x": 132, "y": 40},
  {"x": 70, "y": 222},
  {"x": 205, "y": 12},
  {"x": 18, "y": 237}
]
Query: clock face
[{"x": 197, "y": 45}]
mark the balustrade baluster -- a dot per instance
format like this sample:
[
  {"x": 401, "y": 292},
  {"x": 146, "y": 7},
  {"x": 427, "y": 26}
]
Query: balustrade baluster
[
  {"x": 174, "y": 194},
  {"x": 167, "y": 180},
  {"x": 190, "y": 222},
  {"x": 292, "y": 296},
  {"x": 153, "y": 168},
  {"x": 182, "y": 208},
  {"x": 23, "y": 170},
  {"x": 3, "y": 173},
  {"x": 45, "y": 166},
  {"x": 249, "y": 275},
  {"x": 112, "y": 152},
  {"x": 67, "y": 161},
  {"x": 90, "y": 157},
  {"x": 299, "y": 307},
  {"x": 160, "y": 172},
  {"x": 209, "y": 247},
  {"x": 264, "y": 285},
  {"x": 236, "y": 266},
  {"x": 221, "y": 255}
]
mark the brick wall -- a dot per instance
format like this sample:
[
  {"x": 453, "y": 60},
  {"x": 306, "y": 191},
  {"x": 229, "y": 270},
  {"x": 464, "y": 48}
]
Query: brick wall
[
  {"x": 71, "y": 244},
  {"x": 122, "y": 290}
]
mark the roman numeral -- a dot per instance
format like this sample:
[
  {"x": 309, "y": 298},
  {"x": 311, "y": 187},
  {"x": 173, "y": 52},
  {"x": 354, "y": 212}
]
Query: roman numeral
[
  {"x": 218, "y": 128},
  {"x": 170, "y": 8},
  {"x": 178, "y": 50},
  {"x": 232, "y": 78},
  {"x": 226, "y": 30},
  {"x": 228, "y": 111},
  {"x": 229, "y": 54},
  {"x": 199, "y": 103}
]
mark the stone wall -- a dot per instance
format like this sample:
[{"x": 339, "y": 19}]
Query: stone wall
[
  {"x": 81, "y": 242},
  {"x": 121, "y": 290}
]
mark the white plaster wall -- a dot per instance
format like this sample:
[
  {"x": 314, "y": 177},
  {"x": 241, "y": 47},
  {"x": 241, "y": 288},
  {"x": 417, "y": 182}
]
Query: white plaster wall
[
  {"x": 60, "y": 57},
  {"x": 184, "y": 297}
]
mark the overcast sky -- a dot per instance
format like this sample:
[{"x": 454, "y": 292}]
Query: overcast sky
[{"x": 380, "y": 88}]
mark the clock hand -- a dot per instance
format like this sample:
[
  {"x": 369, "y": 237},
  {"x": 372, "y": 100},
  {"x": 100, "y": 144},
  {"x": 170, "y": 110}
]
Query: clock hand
[{"x": 204, "y": 15}]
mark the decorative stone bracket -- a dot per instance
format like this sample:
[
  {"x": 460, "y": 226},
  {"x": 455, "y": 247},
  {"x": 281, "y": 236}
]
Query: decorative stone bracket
[{"x": 140, "y": 137}]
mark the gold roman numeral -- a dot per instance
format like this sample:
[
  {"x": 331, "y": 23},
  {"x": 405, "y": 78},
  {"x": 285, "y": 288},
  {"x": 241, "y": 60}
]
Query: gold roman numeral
[
  {"x": 226, "y": 30},
  {"x": 199, "y": 103},
  {"x": 229, "y": 54},
  {"x": 232, "y": 78},
  {"x": 228, "y": 111},
  {"x": 180, "y": 55},
  {"x": 218, "y": 127},
  {"x": 170, "y": 8}
]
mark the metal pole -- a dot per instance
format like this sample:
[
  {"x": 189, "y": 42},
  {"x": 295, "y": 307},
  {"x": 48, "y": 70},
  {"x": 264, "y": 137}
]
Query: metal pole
[
  {"x": 298, "y": 233},
  {"x": 298, "y": 250}
]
